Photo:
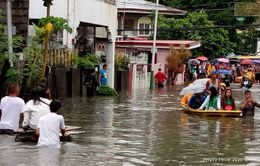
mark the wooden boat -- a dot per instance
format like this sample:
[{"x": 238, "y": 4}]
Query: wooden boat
[
  {"x": 29, "y": 135},
  {"x": 222, "y": 113}
]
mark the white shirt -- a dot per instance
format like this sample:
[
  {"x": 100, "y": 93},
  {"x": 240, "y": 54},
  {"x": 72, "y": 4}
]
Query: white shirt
[
  {"x": 11, "y": 108},
  {"x": 33, "y": 112},
  {"x": 49, "y": 126}
]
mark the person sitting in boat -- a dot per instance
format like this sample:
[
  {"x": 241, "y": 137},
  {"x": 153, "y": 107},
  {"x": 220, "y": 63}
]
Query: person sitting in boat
[
  {"x": 213, "y": 81},
  {"x": 185, "y": 99},
  {"x": 212, "y": 101},
  {"x": 50, "y": 126},
  {"x": 227, "y": 101},
  {"x": 222, "y": 88},
  {"x": 11, "y": 110},
  {"x": 196, "y": 100},
  {"x": 35, "y": 108},
  {"x": 248, "y": 105}
]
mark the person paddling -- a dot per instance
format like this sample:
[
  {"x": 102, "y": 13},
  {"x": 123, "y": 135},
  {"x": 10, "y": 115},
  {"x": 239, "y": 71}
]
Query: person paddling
[{"x": 50, "y": 126}]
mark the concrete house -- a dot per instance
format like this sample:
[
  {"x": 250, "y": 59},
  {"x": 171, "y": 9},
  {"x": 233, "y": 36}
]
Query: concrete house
[
  {"x": 134, "y": 29},
  {"x": 94, "y": 24}
]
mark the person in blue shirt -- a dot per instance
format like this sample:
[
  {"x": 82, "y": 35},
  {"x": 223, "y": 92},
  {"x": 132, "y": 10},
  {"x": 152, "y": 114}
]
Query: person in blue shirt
[
  {"x": 196, "y": 100},
  {"x": 103, "y": 75}
]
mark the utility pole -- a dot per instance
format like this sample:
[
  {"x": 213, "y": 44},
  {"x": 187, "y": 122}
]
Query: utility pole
[
  {"x": 10, "y": 31},
  {"x": 154, "y": 46}
]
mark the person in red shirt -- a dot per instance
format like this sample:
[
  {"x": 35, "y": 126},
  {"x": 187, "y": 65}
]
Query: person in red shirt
[{"x": 160, "y": 78}]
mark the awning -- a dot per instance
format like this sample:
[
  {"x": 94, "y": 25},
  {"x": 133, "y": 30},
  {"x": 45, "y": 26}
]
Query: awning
[{"x": 162, "y": 44}]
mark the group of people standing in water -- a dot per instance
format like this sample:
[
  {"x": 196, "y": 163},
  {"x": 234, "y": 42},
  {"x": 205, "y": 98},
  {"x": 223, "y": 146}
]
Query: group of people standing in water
[
  {"x": 38, "y": 114},
  {"x": 218, "y": 96}
]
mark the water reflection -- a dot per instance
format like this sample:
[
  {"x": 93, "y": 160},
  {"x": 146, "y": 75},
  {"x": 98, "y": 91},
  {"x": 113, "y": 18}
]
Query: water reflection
[{"x": 144, "y": 128}]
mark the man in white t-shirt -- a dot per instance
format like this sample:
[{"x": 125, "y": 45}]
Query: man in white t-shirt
[
  {"x": 50, "y": 126},
  {"x": 12, "y": 108}
]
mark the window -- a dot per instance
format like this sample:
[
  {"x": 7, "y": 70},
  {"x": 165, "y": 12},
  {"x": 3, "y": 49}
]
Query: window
[{"x": 144, "y": 26}]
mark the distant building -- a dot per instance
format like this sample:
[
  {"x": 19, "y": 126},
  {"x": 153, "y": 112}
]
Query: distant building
[
  {"x": 134, "y": 29},
  {"x": 133, "y": 16}
]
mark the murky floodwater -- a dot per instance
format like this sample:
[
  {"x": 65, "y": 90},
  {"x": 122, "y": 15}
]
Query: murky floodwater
[{"x": 144, "y": 129}]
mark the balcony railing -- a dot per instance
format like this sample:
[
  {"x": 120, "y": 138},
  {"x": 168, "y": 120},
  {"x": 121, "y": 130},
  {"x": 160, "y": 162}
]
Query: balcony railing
[{"x": 135, "y": 32}]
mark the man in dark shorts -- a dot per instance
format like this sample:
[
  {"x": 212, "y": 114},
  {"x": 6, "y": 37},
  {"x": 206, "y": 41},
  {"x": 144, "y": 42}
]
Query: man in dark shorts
[{"x": 248, "y": 105}]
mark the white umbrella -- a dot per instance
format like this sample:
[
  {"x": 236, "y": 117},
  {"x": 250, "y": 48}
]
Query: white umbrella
[
  {"x": 193, "y": 88},
  {"x": 202, "y": 81}
]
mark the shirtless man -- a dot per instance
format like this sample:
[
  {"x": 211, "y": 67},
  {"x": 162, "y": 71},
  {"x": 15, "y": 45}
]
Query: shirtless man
[{"x": 248, "y": 105}]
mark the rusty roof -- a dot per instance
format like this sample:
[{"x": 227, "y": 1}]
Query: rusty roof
[{"x": 146, "y": 7}]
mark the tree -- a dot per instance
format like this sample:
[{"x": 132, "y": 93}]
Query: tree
[
  {"x": 175, "y": 63},
  {"x": 196, "y": 26},
  {"x": 221, "y": 12}
]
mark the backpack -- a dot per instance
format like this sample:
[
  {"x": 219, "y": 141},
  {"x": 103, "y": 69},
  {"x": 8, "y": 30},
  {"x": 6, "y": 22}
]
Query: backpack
[{"x": 248, "y": 83}]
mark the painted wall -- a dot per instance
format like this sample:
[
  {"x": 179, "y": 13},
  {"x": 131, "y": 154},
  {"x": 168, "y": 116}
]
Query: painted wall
[
  {"x": 75, "y": 11},
  {"x": 161, "y": 59}
]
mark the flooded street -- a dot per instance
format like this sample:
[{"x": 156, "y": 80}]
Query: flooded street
[{"x": 144, "y": 129}]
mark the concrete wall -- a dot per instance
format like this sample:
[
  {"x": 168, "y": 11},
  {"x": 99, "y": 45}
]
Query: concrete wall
[
  {"x": 20, "y": 11},
  {"x": 161, "y": 58},
  {"x": 75, "y": 11}
]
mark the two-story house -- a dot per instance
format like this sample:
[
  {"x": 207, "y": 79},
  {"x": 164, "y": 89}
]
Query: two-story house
[{"x": 134, "y": 29}]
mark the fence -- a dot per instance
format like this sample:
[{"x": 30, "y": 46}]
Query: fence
[{"x": 61, "y": 56}]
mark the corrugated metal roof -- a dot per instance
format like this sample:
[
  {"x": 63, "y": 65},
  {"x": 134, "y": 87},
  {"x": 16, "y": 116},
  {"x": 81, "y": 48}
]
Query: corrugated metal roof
[{"x": 143, "y": 6}]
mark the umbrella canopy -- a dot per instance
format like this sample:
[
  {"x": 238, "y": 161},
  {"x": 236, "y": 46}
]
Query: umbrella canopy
[
  {"x": 202, "y": 58},
  {"x": 223, "y": 60},
  {"x": 221, "y": 72},
  {"x": 202, "y": 81},
  {"x": 256, "y": 61},
  {"x": 191, "y": 89},
  {"x": 246, "y": 62},
  {"x": 193, "y": 62}
]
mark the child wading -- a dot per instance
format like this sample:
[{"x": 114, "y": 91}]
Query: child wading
[{"x": 50, "y": 126}]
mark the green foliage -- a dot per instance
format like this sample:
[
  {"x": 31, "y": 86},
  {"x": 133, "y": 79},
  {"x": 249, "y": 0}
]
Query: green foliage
[
  {"x": 59, "y": 23},
  {"x": 47, "y": 2},
  {"x": 39, "y": 34},
  {"x": 87, "y": 62},
  {"x": 247, "y": 40},
  {"x": 33, "y": 53},
  {"x": 3, "y": 45},
  {"x": 106, "y": 91},
  {"x": 12, "y": 75},
  {"x": 121, "y": 61},
  {"x": 221, "y": 12},
  {"x": 197, "y": 26}
]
